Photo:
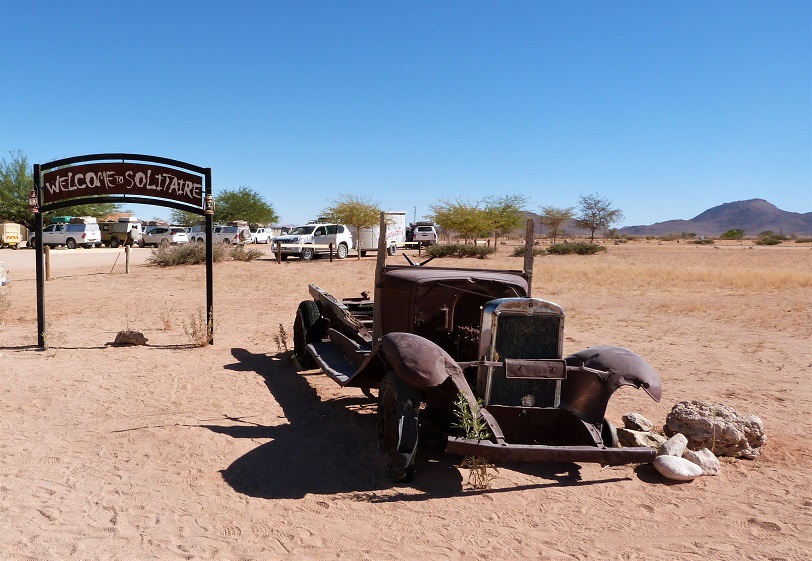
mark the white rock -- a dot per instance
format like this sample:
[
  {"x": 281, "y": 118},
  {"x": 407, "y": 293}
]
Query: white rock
[
  {"x": 678, "y": 469},
  {"x": 674, "y": 446},
  {"x": 705, "y": 459},
  {"x": 635, "y": 421}
]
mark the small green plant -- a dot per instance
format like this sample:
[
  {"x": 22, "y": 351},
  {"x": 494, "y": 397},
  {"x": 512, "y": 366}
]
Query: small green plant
[
  {"x": 184, "y": 254},
  {"x": 579, "y": 248},
  {"x": 198, "y": 329},
  {"x": 474, "y": 426},
  {"x": 459, "y": 251},
  {"x": 239, "y": 253},
  {"x": 803, "y": 240},
  {"x": 703, "y": 241}
]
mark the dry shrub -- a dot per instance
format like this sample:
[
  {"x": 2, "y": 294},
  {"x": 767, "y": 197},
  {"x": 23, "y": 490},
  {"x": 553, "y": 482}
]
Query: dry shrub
[
  {"x": 239, "y": 253},
  {"x": 5, "y": 305},
  {"x": 184, "y": 254},
  {"x": 198, "y": 329}
]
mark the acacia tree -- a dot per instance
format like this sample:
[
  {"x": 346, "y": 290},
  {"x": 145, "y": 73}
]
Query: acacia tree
[
  {"x": 554, "y": 217},
  {"x": 461, "y": 216},
  {"x": 16, "y": 182},
  {"x": 244, "y": 204},
  {"x": 504, "y": 213},
  {"x": 595, "y": 212},
  {"x": 358, "y": 212}
]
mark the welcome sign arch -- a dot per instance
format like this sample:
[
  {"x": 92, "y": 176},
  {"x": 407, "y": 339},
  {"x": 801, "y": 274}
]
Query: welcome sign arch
[{"x": 121, "y": 178}]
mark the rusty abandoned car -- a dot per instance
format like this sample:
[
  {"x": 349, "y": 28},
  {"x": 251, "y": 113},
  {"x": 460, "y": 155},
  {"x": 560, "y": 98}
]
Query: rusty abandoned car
[{"x": 433, "y": 333}]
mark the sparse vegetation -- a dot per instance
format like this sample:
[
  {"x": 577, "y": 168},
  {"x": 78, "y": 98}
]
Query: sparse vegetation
[
  {"x": 198, "y": 329},
  {"x": 459, "y": 250},
  {"x": 518, "y": 251},
  {"x": 580, "y": 248},
  {"x": 703, "y": 241},
  {"x": 239, "y": 253},
  {"x": 185, "y": 254},
  {"x": 803, "y": 240},
  {"x": 770, "y": 238},
  {"x": 735, "y": 234},
  {"x": 473, "y": 426}
]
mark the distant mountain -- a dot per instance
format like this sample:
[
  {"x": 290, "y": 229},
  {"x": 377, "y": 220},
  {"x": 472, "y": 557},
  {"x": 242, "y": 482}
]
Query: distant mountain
[{"x": 753, "y": 216}]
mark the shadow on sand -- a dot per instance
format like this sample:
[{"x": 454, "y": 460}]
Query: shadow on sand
[{"x": 328, "y": 447}]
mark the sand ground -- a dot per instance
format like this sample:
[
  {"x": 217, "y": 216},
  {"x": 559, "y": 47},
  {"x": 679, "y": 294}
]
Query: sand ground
[{"x": 169, "y": 451}]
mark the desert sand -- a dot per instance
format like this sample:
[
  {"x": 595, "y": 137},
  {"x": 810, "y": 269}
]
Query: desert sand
[{"x": 171, "y": 451}]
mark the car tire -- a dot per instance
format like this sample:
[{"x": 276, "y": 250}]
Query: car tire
[
  {"x": 307, "y": 328},
  {"x": 70, "y": 243},
  {"x": 114, "y": 243},
  {"x": 308, "y": 254},
  {"x": 164, "y": 242},
  {"x": 342, "y": 251},
  {"x": 226, "y": 241},
  {"x": 393, "y": 249},
  {"x": 363, "y": 254},
  {"x": 398, "y": 425}
]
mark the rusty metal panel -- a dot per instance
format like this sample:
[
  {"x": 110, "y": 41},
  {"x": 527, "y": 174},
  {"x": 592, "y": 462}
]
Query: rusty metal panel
[
  {"x": 539, "y": 453},
  {"x": 536, "y": 369}
]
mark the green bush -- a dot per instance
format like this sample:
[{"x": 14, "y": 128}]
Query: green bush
[
  {"x": 459, "y": 250},
  {"x": 581, "y": 248},
  {"x": 770, "y": 238},
  {"x": 735, "y": 234},
  {"x": 185, "y": 254},
  {"x": 239, "y": 253},
  {"x": 518, "y": 251},
  {"x": 803, "y": 240},
  {"x": 706, "y": 241}
]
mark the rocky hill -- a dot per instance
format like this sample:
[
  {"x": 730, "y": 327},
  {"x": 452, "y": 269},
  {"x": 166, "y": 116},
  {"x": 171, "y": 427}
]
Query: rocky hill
[{"x": 752, "y": 216}]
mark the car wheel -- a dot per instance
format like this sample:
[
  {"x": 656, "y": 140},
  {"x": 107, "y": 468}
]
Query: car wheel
[
  {"x": 398, "y": 425},
  {"x": 308, "y": 253},
  {"x": 141, "y": 243},
  {"x": 70, "y": 243},
  {"x": 307, "y": 329},
  {"x": 33, "y": 243},
  {"x": 114, "y": 242},
  {"x": 164, "y": 242},
  {"x": 342, "y": 251},
  {"x": 226, "y": 241},
  {"x": 393, "y": 249},
  {"x": 363, "y": 254}
]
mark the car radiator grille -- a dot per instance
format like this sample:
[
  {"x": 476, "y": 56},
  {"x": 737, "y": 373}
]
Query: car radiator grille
[{"x": 525, "y": 336}]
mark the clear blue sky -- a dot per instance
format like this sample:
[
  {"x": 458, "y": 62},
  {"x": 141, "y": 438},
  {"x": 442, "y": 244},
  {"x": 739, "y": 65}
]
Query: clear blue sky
[{"x": 664, "y": 108}]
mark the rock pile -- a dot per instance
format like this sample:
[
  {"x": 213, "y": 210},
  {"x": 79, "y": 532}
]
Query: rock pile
[{"x": 698, "y": 432}]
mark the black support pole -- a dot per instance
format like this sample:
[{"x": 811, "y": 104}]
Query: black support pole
[
  {"x": 209, "y": 264},
  {"x": 40, "y": 265}
]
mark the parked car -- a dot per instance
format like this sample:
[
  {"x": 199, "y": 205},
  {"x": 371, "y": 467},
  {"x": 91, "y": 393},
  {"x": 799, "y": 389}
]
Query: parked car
[
  {"x": 311, "y": 240},
  {"x": 424, "y": 234},
  {"x": 262, "y": 235},
  {"x": 124, "y": 231},
  {"x": 232, "y": 235},
  {"x": 164, "y": 235},
  {"x": 70, "y": 235},
  {"x": 197, "y": 233}
]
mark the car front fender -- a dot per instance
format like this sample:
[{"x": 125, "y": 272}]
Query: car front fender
[{"x": 594, "y": 375}]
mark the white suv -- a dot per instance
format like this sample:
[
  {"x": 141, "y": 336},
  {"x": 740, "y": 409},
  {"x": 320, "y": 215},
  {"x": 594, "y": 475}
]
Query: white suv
[
  {"x": 232, "y": 234},
  {"x": 312, "y": 240},
  {"x": 424, "y": 235}
]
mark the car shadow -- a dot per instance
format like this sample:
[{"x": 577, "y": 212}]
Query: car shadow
[{"x": 325, "y": 447}]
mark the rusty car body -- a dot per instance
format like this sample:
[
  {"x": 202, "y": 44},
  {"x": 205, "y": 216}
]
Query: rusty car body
[{"x": 433, "y": 333}]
